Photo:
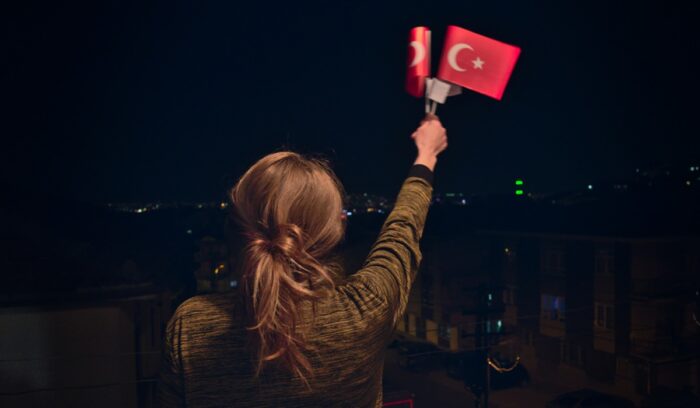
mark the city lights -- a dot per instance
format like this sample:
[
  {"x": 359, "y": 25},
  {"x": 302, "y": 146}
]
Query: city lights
[
  {"x": 519, "y": 190},
  {"x": 367, "y": 203},
  {"x": 220, "y": 267}
]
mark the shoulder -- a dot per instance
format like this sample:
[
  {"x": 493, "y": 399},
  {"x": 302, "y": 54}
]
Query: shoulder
[
  {"x": 205, "y": 302},
  {"x": 202, "y": 309}
]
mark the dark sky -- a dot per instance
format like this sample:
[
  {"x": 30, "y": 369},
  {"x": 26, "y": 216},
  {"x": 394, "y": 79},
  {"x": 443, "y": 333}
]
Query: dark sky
[{"x": 117, "y": 101}]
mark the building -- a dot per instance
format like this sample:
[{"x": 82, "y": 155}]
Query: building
[
  {"x": 604, "y": 312},
  {"x": 455, "y": 302}
]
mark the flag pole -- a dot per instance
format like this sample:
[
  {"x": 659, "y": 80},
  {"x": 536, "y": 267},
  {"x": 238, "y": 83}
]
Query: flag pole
[
  {"x": 429, "y": 46},
  {"x": 427, "y": 82}
]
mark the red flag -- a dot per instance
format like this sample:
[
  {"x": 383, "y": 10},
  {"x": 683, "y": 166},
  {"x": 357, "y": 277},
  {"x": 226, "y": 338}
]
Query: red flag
[
  {"x": 476, "y": 62},
  {"x": 418, "y": 61}
]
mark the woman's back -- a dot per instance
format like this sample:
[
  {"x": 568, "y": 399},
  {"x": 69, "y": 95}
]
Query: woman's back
[
  {"x": 210, "y": 361},
  {"x": 219, "y": 368},
  {"x": 349, "y": 331}
]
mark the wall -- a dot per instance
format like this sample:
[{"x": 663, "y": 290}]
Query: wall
[{"x": 80, "y": 356}]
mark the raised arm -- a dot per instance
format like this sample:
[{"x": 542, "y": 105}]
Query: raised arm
[{"x": 393, "y": 261}]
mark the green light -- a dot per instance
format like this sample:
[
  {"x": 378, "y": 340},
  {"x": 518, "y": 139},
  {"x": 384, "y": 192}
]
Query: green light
[
  {"x": 519, "y": 192},
  {"x": 499, "y": 325},
  {"x": 518, "y": 182}
]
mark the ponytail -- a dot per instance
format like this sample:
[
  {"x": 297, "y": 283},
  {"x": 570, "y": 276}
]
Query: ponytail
[{"x": 281, "y": 266}]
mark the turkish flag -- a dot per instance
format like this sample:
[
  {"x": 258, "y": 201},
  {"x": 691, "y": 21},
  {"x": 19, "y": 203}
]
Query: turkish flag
[
  {"x": 418, "y": 61},
  {"x": 476, "y": 62}
]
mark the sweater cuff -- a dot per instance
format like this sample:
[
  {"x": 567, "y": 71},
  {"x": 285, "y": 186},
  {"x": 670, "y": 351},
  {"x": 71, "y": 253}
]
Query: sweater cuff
[{"x": 421, "y": 171}]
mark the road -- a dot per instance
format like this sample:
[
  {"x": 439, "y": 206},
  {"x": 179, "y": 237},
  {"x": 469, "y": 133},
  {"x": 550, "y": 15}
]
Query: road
[
  {"x": 437, "y": 389},
  {"x": 429, "y": 388}
]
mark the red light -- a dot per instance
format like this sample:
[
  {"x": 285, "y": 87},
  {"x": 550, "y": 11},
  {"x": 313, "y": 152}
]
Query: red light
[{"x": 394, "y": 403}]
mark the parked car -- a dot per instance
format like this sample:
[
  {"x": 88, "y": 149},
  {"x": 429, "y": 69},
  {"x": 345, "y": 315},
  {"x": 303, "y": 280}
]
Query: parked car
[
  {"x": 518, "y": 377},
  {"x": 418, "y": 355},
  {"x": 458, "y": 365},
  {"x": 670, "y": 398},
  {"x": 455, "y": 364},
  {"x": 586, "y": 398}
]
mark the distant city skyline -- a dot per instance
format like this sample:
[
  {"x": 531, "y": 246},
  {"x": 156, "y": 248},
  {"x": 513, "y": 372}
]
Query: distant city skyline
[{"x": 684, "y": 176}]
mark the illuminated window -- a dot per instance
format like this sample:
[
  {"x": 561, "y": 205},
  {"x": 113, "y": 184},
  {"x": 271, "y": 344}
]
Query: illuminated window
[
  {"x": 444, "y": 331},
  {"x": 494, "y": 326},
  {"x": 553, "y": 308}
]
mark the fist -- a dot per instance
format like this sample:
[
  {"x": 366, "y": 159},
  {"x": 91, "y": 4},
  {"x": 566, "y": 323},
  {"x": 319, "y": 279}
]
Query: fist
[{"x": 430, "y": 137}]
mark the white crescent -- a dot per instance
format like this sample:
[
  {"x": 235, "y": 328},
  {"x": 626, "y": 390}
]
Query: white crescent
[
  {"x": 452, "y": 55},
  {"x": 419, "y": 49}
]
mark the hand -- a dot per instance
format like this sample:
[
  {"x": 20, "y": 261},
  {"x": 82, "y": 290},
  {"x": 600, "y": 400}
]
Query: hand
[{"x": 430, "y": 139}]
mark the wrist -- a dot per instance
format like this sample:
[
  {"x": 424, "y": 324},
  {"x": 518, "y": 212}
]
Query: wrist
[{"x": 426, "y": 160}]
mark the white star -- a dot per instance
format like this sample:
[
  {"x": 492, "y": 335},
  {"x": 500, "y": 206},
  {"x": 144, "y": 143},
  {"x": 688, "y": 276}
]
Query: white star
[{"x": 478, "y": 63}]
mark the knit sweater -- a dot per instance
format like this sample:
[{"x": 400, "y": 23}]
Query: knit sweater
[{"x": 207, "y": 363}]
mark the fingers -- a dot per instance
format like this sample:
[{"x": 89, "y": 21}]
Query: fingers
[
  {"x": 441, "y": 148},
  {"x": 430, "y": 136},
  {"x": 429, "y": 117},
  {"x": 443, "y": 142}
]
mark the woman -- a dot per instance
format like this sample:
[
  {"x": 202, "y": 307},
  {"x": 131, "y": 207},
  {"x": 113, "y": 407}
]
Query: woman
[{"x": 292, "y": 337}]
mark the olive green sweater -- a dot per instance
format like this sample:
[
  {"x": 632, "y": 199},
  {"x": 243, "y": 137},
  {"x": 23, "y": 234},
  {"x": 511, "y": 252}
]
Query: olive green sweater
[{"x": 207, "y": 364}]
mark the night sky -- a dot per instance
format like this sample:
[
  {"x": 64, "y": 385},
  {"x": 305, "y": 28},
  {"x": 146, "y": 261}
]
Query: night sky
[{"x": 172, "y": 100}]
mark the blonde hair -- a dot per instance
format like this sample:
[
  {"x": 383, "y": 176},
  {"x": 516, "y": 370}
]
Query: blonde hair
[{"x": 289, "y": 209}]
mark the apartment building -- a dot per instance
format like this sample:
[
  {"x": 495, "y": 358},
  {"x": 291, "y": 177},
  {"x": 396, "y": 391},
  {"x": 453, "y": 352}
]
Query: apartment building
[{"x": 605, "y": 312}]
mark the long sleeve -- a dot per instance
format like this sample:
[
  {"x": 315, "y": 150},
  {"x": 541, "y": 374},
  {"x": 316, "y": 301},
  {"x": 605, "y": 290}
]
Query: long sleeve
[
  {"x": 207, "y": 360},
  {"x": 393, "y": 261},
  {"x": 170, "y": 380}
]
